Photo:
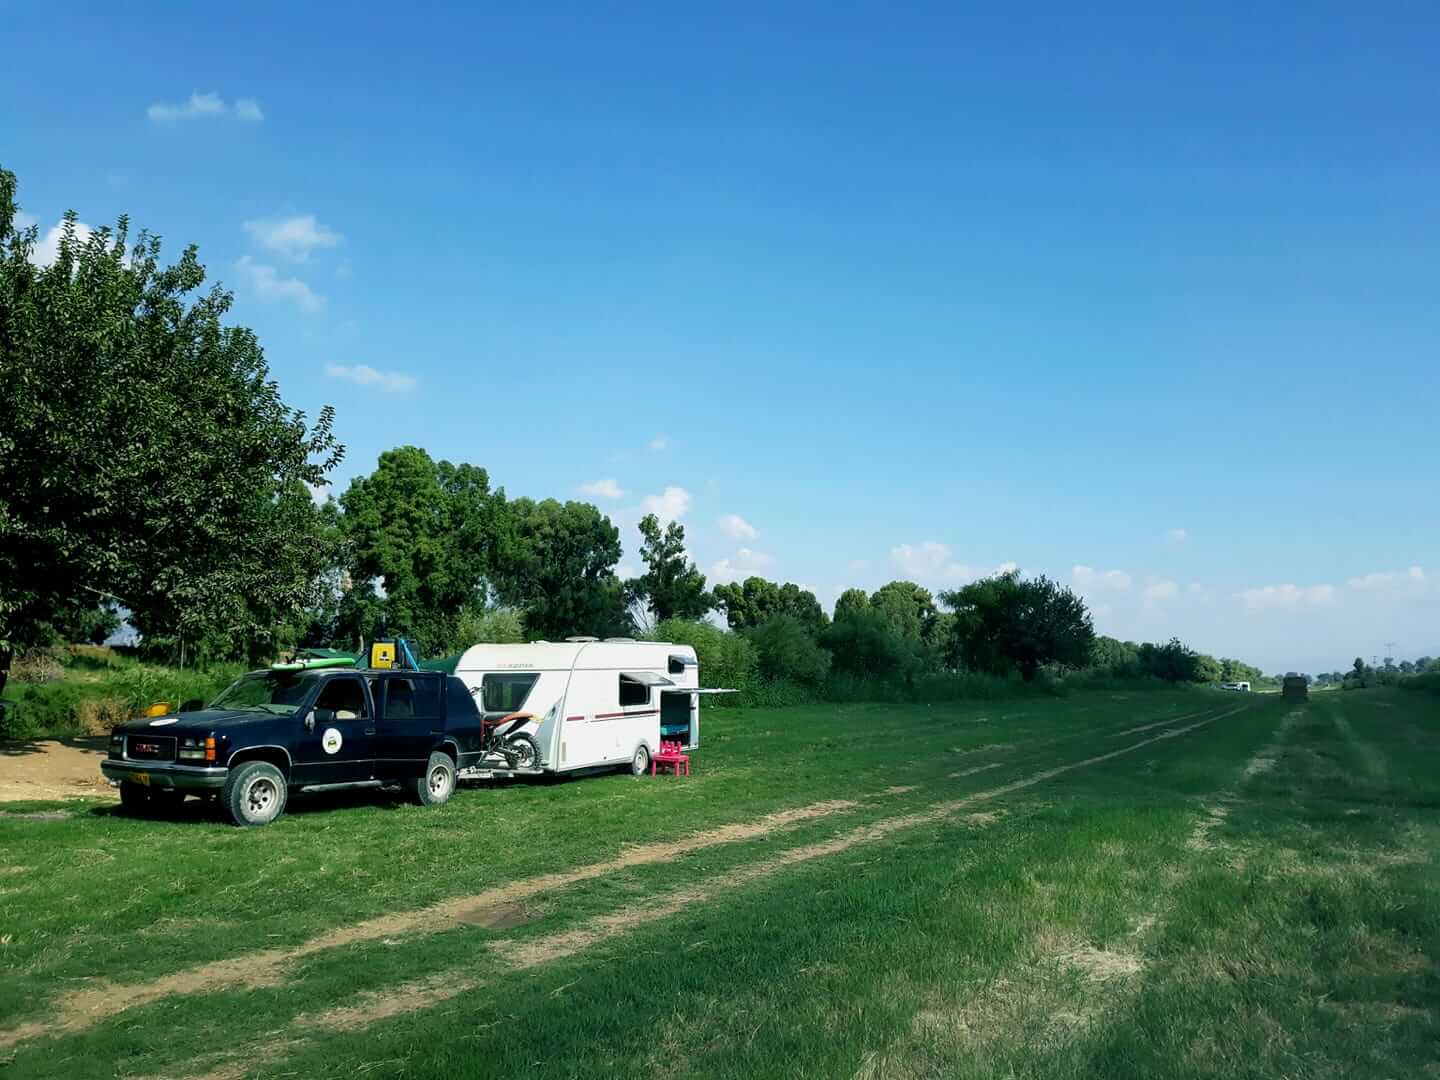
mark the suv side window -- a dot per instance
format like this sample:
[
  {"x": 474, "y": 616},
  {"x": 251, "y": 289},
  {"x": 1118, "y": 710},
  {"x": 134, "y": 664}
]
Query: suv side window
[
  {"x": 345, "y": 697},
  {"x": 411, "y": 699}
]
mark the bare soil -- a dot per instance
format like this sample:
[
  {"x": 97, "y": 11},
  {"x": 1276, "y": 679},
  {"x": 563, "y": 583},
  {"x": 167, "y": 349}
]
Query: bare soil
[{"x": 52, "y": 769}]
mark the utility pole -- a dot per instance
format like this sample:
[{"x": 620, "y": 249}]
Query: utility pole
[{"x": 1390, "y": 648}]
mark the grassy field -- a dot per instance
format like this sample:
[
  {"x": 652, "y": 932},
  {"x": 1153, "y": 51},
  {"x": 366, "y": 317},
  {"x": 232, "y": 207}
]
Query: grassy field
[{"x": 1178, "y": 884}]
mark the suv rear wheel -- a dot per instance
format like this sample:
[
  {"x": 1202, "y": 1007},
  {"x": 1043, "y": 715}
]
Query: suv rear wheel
[
  {"x": 255, "y": 793},
  {"x": 438, "y": 783}
]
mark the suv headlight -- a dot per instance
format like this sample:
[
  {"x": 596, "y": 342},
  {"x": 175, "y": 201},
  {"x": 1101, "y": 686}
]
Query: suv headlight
[{"x": 197, "y": 748}]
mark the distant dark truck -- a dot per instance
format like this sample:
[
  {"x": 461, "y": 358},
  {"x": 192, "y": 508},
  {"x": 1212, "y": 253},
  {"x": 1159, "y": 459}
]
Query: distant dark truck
[{"x": 273, "y": 732}]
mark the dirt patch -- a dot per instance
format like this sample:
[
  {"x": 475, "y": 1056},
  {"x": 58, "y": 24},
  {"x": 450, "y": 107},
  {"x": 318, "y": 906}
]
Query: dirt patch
[
  {"x": 1100, "y": 965},
  {"x": 500, "y": 916},
  {"x": 52, "y": 769},
  {"x": 1258, "y": 765},
  {"x": 903, "y": 790},
  {"x": 988, "y": 748},
  {"x": 1153, "y": 724},
  {"x": 39, "y": 815},
  {"x": 976, "y": 769},
  {"x": 372, "y": 1006},
  {"x": 1199, "y": 838}
]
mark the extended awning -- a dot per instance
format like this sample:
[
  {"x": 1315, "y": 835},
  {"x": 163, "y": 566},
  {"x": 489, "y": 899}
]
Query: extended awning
[{"x": 646, "y": 678}]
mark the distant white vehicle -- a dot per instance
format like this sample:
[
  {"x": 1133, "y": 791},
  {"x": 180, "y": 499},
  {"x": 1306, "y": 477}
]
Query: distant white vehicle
[
  {"x": 592, "y": 704},
  {"x": 1241, "y": 686}
]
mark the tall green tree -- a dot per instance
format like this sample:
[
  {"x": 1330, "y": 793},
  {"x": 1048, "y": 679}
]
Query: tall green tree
[
  {"x": 428, "y": 533},
  {"x": 146, "y": 457},
  {"x": 1005, "y": 623},
  {"x": 908, "y": 608},
  {"x": 556, "y": 562},
  {"x": 748, "y": 604},
  {"x": 852, "y": 602},
  {"x": 672, "y": 587}
]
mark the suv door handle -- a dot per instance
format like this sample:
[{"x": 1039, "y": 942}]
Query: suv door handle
[{"x": 369, "y": 731}]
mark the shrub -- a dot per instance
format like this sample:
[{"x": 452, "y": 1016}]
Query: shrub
[
  {"x": 866, "y": 644},
  {"x": 500, "y": 626},
  {"x": 37, "y": 666},
  {"x": 784, "y": 649}
]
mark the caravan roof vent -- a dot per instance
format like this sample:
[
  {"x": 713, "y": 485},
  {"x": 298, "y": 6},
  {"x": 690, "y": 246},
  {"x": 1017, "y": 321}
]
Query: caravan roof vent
[
  {"x": 631, "y": 640},
  {"x": 581, "y": 640}
]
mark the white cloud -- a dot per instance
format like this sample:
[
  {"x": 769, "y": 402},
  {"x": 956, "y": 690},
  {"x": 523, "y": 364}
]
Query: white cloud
[
  {"x": 319, "y": 493},
  {"x": 1177, "y": 536},
  {"x": 267, "y": 282},
  {"x": 858, "y": 564},
  {"x": 669, "y": 505},
  {"x": 931, "y": 561},
  {"x": 23, "y": 220},
  {"x": 737, "y": 528},
  {"x": 603, "y": 489},
  {"x": 1377, "y": 586},
  {"x": 745, "y": 563},
  {"x": 625, "y": 572},
  {"x": 204, "y": 106},
  {"x": 1086, "y": 577},
  {"x": 293, "y": 237},
  {"x": 1380, "y": 581},
  {"x": 660, "y": 442},
  {"x": 392, "y": 382},
  {"x": 47, "y": 247},
  {"x": 1287, "y": 597},
  {"x": 1160, "y": 590}
]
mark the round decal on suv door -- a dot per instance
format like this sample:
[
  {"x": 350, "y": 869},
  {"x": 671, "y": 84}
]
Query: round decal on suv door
[{"x": 331, "y": 740}]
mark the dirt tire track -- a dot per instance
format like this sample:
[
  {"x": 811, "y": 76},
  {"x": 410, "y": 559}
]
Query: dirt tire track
[{"x": 82, "y": 1009}]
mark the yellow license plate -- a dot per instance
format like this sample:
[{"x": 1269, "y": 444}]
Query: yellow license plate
[{"x": 141, "y": 778}]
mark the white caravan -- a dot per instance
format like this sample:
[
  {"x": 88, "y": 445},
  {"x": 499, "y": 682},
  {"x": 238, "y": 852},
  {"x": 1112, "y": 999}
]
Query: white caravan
[{"x": 595, "y": 703}]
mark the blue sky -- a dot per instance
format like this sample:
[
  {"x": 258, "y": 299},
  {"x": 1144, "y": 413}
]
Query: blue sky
[{"x": 1139, "y": 296}]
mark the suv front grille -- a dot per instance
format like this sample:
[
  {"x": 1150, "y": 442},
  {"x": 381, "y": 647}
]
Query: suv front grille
[{"x": 150, "y": 747}]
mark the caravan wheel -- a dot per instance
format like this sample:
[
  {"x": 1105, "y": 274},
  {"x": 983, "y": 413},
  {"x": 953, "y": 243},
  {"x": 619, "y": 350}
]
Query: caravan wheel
[{"x": 640, "y": 763}]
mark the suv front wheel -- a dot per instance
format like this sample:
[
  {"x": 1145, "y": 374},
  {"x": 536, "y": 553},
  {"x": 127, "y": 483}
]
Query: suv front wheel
[{"x": 255, "y": 793}]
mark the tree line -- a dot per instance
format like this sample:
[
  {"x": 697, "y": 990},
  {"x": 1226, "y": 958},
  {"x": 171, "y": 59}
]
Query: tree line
[{"x": 149, "y": 466}]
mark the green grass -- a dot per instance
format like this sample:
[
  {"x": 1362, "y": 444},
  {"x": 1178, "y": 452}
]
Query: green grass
[{"x": 1253, "y": 897}]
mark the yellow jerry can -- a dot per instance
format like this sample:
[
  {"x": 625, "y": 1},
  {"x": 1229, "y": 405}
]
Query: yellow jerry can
[{"x": 382, "y": 654}]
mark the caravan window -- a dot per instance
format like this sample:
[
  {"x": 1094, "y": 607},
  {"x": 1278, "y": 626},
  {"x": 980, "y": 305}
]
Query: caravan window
[
  {"x": 633, "y": 692},
  {"x": 677, "y": 664},
  {"x": 506, "y": 693}
]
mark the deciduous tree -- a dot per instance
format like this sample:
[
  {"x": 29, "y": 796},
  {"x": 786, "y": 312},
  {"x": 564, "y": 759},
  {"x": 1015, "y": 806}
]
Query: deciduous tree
[
  {"x": 671, "y": 586},
  {"x": 1004, "y": 623},
  {"x": 146, "y": 457}
]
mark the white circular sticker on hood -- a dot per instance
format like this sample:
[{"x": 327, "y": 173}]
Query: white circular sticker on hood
[
  {"x": 165, "y": 720},
  {"x": 331, "y": 740}
]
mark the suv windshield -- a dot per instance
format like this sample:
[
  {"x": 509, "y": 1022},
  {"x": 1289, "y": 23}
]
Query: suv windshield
[{"x": 277, "y": 692}]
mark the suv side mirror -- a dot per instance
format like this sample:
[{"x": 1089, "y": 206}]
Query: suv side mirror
[{"x": 319, "y": 716}]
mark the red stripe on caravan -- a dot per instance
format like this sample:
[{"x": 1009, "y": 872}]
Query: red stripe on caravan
[
  {"x": 569, "y": 718},
  {"x": 617, "y": 715}
]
